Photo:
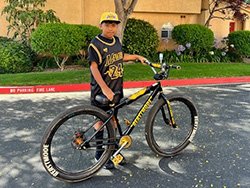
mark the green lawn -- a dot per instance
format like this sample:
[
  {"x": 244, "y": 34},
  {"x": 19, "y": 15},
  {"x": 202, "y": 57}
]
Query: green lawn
[{"x": 132, "y": 72}]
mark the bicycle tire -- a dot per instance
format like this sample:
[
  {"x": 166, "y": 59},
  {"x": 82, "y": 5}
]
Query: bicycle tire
[
  {"x": 57, "y": 141},
  {"x": 171, "y": 142}
]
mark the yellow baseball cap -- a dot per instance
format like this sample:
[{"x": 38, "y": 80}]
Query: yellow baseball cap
[{"x": 109, "y": 16}]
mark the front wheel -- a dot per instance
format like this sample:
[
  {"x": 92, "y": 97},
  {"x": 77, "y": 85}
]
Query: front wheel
[
  {"x": 164, "y": 138},
  {"x": 69, "y": 144}
]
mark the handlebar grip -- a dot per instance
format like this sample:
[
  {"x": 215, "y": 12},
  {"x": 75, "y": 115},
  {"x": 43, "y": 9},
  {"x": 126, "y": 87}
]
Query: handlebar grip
[
  {"x": 175, "y": 67},
  {"x": 156, "y": 65}
]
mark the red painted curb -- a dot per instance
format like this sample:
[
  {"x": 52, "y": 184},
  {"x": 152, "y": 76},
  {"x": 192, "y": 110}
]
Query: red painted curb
[
  {"x": 131, "y": 84},
  {"x": 44, "y": 89}
]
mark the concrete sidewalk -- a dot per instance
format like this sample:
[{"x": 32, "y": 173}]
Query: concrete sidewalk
[{"x": 130, "y": 84}]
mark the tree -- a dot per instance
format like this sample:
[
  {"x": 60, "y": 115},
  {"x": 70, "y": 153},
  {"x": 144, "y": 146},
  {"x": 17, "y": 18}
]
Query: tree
[
  {"x": 123, "y": 8},
  {"x": 25, "y": 15},
  {"x": 228, "y": 9},
  {"x": 59, "y": 40}
]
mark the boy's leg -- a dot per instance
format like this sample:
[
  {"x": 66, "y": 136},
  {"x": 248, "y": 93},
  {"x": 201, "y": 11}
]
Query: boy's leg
[
  {"x": 98, "y": 137},
  {"x": 99, "y": 148}
]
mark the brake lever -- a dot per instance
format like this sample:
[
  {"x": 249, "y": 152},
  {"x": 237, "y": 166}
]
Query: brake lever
[{"x": 150, "y": 64}]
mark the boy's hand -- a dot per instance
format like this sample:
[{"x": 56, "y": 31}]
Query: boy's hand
[
  {"x": 142, "y": 59},
  {"x": 108, "y": 93},
  {"x": 134, "y": 57}
]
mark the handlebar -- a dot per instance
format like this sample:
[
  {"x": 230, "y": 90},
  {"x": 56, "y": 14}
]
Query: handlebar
[
  {"x": 164, "y": 65},
  {"x": 165, "y": 68}
]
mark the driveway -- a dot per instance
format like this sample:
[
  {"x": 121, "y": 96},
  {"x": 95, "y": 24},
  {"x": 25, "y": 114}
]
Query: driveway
[{"x": 218, "y": 157}]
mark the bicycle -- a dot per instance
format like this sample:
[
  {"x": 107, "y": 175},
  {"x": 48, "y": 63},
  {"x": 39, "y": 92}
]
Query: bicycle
[{"x": 68, "y": 144}]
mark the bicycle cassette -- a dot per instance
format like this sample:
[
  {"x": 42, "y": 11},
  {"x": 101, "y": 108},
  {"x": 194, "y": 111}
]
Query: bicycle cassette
[{"x": 78, "y": 140}]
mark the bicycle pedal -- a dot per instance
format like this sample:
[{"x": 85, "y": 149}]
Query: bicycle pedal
[{"x": 117, "y": 159}]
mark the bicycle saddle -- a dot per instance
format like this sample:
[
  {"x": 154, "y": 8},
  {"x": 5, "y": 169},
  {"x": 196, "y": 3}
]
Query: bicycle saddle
[{"x": 103, "y": 100}]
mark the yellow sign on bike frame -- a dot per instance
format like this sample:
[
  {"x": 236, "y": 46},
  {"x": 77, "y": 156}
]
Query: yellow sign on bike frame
[{"x": 137, "y": 94}]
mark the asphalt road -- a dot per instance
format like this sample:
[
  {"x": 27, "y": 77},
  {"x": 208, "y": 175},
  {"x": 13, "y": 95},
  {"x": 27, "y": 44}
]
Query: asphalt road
[{"x": 218, "y": 157}]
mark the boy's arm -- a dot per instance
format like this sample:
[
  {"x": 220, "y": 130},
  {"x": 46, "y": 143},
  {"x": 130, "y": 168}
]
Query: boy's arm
[
  {"x": 97, "y": 76},
  {"x": 134, "y": 57}
]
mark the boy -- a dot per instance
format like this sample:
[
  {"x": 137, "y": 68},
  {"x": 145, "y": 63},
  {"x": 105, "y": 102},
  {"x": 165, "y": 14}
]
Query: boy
[{"x": 106, "y": 66}]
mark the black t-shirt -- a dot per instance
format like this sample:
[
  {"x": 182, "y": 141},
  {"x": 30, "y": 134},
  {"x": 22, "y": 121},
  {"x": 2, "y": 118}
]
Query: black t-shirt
[{"x": 108, "y": 55}]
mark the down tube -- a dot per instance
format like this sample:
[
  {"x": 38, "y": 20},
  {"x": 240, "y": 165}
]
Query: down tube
[{"x": 143, "y": 109}]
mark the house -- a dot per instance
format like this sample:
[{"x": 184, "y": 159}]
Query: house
[{"x": 163, "y": 14}]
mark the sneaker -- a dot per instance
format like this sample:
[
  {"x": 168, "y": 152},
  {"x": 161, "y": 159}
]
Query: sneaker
[{"x": 109, "y": 165}]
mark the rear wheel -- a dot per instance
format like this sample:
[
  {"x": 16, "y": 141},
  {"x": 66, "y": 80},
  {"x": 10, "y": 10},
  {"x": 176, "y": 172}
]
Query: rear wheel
[
  {"x": 68, "y": 146},
  {"x": 166, "y": 139}
]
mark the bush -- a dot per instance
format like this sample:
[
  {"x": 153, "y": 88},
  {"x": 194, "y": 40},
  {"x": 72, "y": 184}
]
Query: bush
[
  {"x": 15, "y": 57},
  {"x": 89, "y": 32},
  {"x": 199, "y": 37},
  {"x": 184, "y": 56},
  {"x": 59, "y": 40},
  {"x": 140, "y": 37},
  {"x": 240, "y": 40},
  {"x": 4, "y": 39}
]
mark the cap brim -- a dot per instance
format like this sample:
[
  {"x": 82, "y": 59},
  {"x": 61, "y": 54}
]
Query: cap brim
[{"x": 111, "y": 21}]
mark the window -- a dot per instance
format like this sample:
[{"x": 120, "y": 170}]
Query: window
[{"x": 166, "y": 31}]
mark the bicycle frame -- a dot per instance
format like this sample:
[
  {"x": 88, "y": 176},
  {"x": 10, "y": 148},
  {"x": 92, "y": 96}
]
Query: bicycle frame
[
  {"x": 154, "y": 89},
  {"x": 89, "y": 121}
]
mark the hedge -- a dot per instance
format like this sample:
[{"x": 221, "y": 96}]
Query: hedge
[
  {"x": 198, "y": 36},
  {"x": 241, "y": 42},
  {"x": 14, "y": 57},
  {"x": 140, "y": 37}
]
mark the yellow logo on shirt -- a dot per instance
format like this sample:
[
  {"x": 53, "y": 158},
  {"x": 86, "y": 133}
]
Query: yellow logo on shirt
[
  {"x": 111, "y": 58},
  {"x": 115, "y": 72}
]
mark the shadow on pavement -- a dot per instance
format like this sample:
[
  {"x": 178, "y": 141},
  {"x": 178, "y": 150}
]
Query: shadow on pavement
[{"x": 218, "y": 157}]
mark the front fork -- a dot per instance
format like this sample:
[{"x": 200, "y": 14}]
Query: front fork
[{"x": 170, "y": 121}]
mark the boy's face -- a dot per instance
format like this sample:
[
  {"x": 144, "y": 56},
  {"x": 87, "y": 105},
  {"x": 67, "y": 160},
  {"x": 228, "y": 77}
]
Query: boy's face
[{"x": 109, "y": 29}]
